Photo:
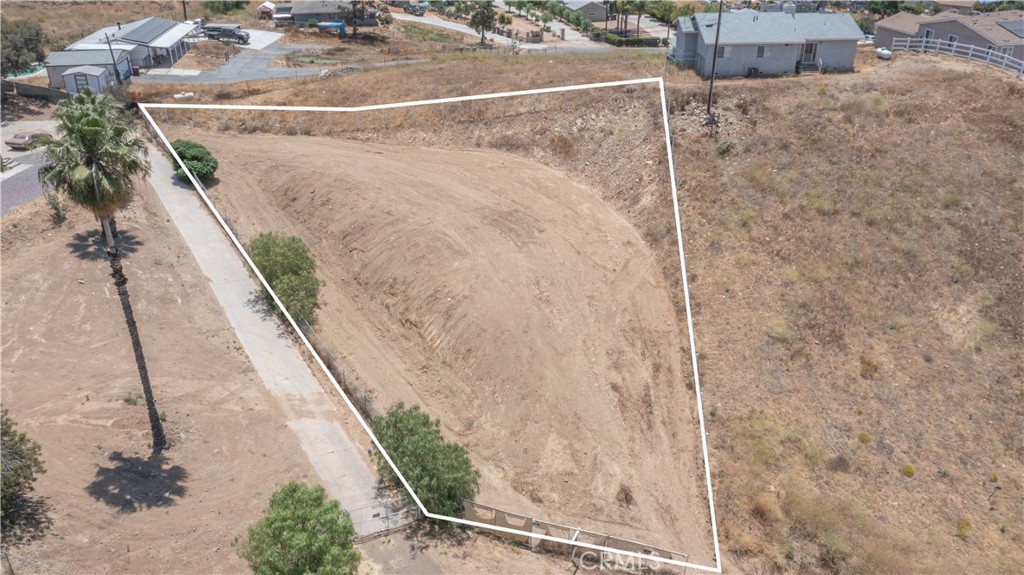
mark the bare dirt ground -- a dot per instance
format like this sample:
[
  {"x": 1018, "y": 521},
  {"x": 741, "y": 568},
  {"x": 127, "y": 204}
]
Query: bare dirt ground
[
  {"x": 207, "y": 55},
  {"x": 68, "y": 366},
  {"x": 856, "y": 282},
  {"x": 511, "y": 302}
]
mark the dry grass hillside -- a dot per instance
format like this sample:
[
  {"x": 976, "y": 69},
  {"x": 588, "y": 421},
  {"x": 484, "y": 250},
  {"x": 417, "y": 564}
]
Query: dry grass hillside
[{"x": 854, "y": 246}]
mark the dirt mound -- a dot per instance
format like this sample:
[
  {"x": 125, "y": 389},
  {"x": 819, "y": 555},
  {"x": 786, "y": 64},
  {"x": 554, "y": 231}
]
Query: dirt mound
[{"x": 513, "y": 303}]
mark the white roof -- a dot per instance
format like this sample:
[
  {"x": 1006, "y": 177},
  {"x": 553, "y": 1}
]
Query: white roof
[
  {"x": 88, "y": 70},
  {"x": 173, "y": 36}
]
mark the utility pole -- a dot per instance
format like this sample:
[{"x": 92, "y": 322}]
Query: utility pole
[
  {"x": 113, "y": 60},
  {"x": 184, "y": 9},
  {"x": 714, "y": 61}
]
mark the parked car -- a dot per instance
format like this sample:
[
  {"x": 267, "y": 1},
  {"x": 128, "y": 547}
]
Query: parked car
[
  {"x": 22, "y": 140},
  {"x": 226, "y": 32},
  {"x": 416, "y": 9}
]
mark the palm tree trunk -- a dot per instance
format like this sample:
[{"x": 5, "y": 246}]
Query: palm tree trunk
[{"x": 104, "y": 221}]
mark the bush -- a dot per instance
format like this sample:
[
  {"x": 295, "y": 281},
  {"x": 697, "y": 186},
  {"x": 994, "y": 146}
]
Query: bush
[
  {"x": 439, "y": 472},
  {"x": 196, "y": 158},
  {"x": 302, "y": 532},
  {"x": 19, "y": 465},
  {"x": 725, "y": 146},
  {"x": 288, "y": 267}
]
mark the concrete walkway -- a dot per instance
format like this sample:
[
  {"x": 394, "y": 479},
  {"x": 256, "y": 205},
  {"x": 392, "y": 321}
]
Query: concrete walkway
[{"x": 310, "y": 412}]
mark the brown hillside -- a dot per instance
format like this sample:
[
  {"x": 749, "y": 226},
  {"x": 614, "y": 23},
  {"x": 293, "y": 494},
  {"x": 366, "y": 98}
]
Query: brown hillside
[{"x": 856, "y": 275}]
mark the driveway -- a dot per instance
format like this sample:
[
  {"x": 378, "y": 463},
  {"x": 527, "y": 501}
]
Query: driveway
[
  {"x": 260, "y": 39},
  {"x": 246, "y": 65},
  {"x": 20, "y": 185}
]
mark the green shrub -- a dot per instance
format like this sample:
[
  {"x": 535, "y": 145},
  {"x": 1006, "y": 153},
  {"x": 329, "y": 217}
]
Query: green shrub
[
  {"x": 20, "y": 465},
  {"x": 439, "y": 472},
  {"x": 196, "y": 158},
  {"x": 288, "y": 267},
  {"x": 725, "y": 146},
  {"x": 302, "y": 532}
]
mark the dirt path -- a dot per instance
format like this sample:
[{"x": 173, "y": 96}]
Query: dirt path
[{"x": 513, "y": 304}]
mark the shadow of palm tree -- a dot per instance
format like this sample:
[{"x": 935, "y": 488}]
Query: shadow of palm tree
[
  {"x": 135, "y": 483},
  {"x": 156, "y": 426},
  {"x": 91, "y": 245},
  {"x": 28, "y": 519}
]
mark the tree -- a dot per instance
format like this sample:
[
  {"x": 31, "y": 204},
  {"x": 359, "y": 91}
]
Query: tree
[
  {"x": 303, "y": 532},
  {"x": 681, "y": 11},
  {"x": 439, "y": 472},
  {"x": 546, "y": 18},
  {"x": 22, "y": 45},
  {"x": 96, "y": 159},
  {"x": 288, "y": 267},
  {"x": 885, "y": 8},
  {"x": 19, "y": 465},
  {"x": 482, "y": 18},
  {"x": 197, "y": 158}
]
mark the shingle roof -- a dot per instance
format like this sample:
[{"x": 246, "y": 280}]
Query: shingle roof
[
  {"x": 989, "y": 24},
  {"x": 775, "y": 27},
  {"x": 578, "y": 4},
  {"x": 147, "y": 30},
  {"x": 82, "y": 57},
  {"x": 904, "y": 22}
]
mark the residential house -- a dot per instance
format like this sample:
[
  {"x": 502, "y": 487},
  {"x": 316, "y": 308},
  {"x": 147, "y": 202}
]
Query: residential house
[
  {"x": 767, "y": 43},
  {"x": 1001, "y": 31},
  {"x": 59, "y": 63},
  {"x": 150, "y": 42},
  {"x": 954, "y": 6},
  {"x": 79, "y": 78},
  {"x": 303, "y": 11},
  {"x": 595, "y": 11},
  {"x": 899, "y": 25}
]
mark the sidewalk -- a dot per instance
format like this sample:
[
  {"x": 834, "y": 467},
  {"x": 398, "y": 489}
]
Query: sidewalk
[{"x": 311, "y": 414}]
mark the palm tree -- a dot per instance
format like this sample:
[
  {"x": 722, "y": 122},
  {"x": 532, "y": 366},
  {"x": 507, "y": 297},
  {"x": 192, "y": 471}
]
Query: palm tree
[{"x": 96, "y": 158}]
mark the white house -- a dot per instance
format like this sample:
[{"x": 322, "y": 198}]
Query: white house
[
  {"x": 149, "y": 42},
  {"x": 757, "y": 43}
]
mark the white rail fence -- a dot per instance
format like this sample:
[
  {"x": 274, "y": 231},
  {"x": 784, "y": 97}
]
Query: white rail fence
[{"x": 967, "y": 51}]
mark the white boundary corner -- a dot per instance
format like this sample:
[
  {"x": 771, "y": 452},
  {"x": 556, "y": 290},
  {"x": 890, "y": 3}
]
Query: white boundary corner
[{"x": 144, "y": 108}]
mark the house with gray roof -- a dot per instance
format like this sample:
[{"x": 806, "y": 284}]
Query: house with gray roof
[
  {"x": 111, "y": 60},
  {"x": 767, "y": 43},
  {"x": 595, "y": 11}
]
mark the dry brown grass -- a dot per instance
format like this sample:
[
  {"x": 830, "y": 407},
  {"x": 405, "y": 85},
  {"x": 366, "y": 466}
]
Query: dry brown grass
[{"x": 827, "y": 236}]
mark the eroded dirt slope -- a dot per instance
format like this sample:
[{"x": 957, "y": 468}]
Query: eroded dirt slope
[{"x": 513, "y": 303}]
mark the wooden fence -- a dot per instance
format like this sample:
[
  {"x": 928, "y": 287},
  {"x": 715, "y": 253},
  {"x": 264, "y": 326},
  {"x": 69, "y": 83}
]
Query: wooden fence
[{"x": 968, "y": 51}]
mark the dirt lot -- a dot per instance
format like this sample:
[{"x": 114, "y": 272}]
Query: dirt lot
[
  {"x": 511, "y": 302},
  {"x": 68, "y": 368}
]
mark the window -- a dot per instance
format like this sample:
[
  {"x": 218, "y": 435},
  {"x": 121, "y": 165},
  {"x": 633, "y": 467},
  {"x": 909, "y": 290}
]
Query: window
[
  {"x": 990, "y": 48},
  {"x": 724, "y": 51},
  {"x": 764, "y": 51},
  {"x": 954, "y": 38},
  {"x": 929, "y": 34},
  {"x": 1006, "y": 50}
]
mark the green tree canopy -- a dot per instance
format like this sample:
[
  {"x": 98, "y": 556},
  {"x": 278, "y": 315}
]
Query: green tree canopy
[
  {"x": 196, "y": 158},
  {"x": 289, "y": 268},
  {"x": 21, "y": 45},
  {"x": 302, "y": 533},
  {"x": 482, "y": 18},
  {"x": 97, "y": 157},
  {"x": 19, "y": 465},
  {"x": 440, "y": 472}
]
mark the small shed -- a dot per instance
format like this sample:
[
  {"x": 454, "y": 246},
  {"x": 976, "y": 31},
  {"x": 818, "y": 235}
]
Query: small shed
[
  {"x": 266, "y": 10},
  {"x": 79, "y": 78}
]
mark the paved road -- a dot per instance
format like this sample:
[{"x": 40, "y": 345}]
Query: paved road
[
  {"x": 311, "y": 414},
  {"x": 20, "y": 185}
]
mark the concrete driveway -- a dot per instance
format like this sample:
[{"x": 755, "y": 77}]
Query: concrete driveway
[
  {"x": 246, "y": 65},
  {"x": 260, "y": 39}
]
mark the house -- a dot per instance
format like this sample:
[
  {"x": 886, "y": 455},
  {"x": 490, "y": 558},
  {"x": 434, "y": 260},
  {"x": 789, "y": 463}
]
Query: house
[
  {"x": 320, "y": 10},
  {"x": 265, "y": 11},
  {"x": 94, "y": 78},
  {"x": 59, "y": 63},
  {"x": 1001, "y": 31},
  {"x": 595, "y": 11},
  {"x": 767, "y": 43},
  {"x": 899, "y": 25},
  {"x": 149, "y": 42},
  {"x": 954, "y": 6}
]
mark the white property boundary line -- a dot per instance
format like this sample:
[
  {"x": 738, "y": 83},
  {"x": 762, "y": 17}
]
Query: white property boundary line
[{"x": 144, "y": 108}]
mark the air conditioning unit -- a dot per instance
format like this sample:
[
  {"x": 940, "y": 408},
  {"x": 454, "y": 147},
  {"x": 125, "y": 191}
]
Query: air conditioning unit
[{"x": 753, "y": 72}]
